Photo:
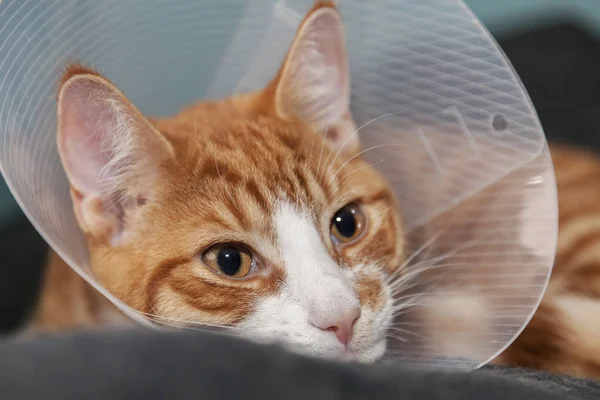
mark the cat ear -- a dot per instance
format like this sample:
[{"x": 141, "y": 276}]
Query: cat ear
[
  {"x": 313, "y": 83},
  {"x": 109, "y": 151}
]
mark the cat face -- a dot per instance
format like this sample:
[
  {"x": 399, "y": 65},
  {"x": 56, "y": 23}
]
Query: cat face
[{"x": 255, "y": 212}]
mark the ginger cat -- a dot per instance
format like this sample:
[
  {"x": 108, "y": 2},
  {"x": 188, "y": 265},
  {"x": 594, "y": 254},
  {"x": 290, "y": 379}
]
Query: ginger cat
[{"x": 226, "y": 215}]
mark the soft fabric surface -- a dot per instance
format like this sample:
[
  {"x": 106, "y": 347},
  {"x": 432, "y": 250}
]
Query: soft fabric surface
[{"x": 149, "y": 365}]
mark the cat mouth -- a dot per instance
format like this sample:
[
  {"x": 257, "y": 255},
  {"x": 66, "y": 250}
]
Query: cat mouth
[{"x": 373, "y": 353}]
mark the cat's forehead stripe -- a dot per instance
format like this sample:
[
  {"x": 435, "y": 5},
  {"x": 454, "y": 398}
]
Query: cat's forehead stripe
[{"x": 262, "y": 177}]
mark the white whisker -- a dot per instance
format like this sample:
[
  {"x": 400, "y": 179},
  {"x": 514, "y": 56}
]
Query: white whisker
[
  {"x": 409, "y": 296},
  {"x": 398, "y": 338},
  {"x": 359, "y": 168},
  {"x": 433, "y": 261},
  {"x": 398, "y": 314},
  {"x": 358, "y": 130},
  {"x": 161, "y": 319},
  {"x": 397, "y": 289},
  {"x": 406, "y": 323},
  {"x": 407, "y": 310},
  {"x": 191, "y": 327},
  {"x": 397, "y": 284},
  {"x": 415, "y": 254},
  {"x": 362, "y": 152},
  {"x": 407, "y": 332}
]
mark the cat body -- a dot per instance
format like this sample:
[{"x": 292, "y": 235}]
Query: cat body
[
  {"x": 564, "y": 334},
  {"x": 257, "y": 214}
]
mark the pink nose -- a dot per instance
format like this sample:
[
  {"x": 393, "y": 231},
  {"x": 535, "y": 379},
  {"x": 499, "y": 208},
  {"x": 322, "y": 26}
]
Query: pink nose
[{"x": 343, "y": 326}]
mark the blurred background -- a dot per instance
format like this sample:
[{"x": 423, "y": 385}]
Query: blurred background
[{"x": 554, "y": 46}]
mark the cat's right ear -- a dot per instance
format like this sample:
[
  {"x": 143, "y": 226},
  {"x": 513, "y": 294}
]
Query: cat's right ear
[
  {"x": 110, "y": 153},
  {"x": 313, "y": 83}
]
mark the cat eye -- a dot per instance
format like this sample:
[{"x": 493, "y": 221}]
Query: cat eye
[
  {"x": 229, "y": 259},
  {"x": 347, "y": 224}
]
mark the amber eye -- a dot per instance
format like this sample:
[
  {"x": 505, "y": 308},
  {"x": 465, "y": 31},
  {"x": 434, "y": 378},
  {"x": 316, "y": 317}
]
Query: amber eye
[
  {"x": 229, "y": 259},
  {"x": 347, "y": 224}
]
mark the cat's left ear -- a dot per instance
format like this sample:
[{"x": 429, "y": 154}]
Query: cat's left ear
[
  {"x": 313, "y": 83},
  {"x": 112, "y": 155}
]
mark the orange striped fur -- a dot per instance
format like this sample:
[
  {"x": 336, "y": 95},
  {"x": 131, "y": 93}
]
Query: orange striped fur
[
  {"x": 266, "y": 170},
  {"x": 564, "y": 335}
]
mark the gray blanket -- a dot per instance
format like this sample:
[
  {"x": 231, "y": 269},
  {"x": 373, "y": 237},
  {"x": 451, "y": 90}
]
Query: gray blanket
[{"x": 147, "y": 365}]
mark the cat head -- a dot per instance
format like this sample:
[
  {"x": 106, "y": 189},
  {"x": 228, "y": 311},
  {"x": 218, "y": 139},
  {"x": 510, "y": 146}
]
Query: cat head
[{"x": 255, "y": 212}]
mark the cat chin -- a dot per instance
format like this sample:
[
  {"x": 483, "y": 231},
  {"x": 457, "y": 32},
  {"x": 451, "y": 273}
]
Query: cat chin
[
  {"x": 372, "y": 354},
  {"x": 365, "y": 356}
]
